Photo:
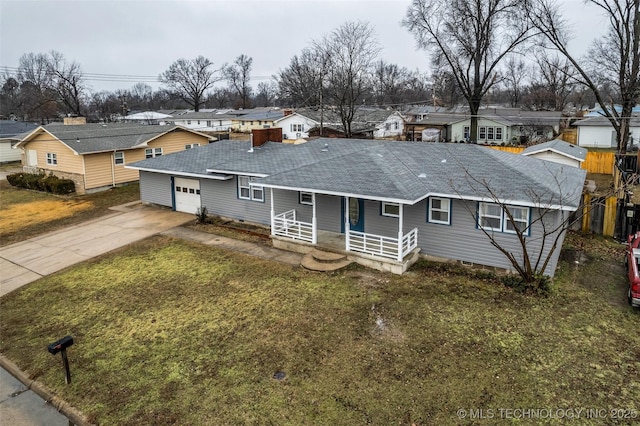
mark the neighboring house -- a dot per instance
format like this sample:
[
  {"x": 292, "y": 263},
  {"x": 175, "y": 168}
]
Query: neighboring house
[
  {"x": 10, "y": 134},
  {"x": 295, "y": 125},
  {"x": 146, "y": 117},
  {"x": 247, "y": 120},
  {"x": 207, "y": 121},
  {"x": 367, "y": 123},
  {"x": 94, "y": 155},
  {"x": 496, "y": 126},
  {"x": 597, "y": 132},
  {"x": 558, "y": 151},
  {"x": 385, "y": 201}
]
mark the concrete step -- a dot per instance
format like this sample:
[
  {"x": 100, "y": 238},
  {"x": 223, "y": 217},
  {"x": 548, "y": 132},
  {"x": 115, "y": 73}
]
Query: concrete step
[
  {"x": 326, "y": 256},
  {"x": 322, "y": 261}
]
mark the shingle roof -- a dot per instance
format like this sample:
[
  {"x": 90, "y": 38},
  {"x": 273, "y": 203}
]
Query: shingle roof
[
  {"x": 91, "y": 138},
  {"x": 604, "y": 121},
  {"x": 559, "y": 146},
  {"x": 394, "y": 171},
  {"x": 10, "y": 129}
]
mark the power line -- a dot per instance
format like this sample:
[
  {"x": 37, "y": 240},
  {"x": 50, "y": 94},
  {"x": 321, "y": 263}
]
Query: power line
[{"x": 117, "y": 78}]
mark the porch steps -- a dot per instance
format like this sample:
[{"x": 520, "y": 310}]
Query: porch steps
[{"x": 324, "y": 261}]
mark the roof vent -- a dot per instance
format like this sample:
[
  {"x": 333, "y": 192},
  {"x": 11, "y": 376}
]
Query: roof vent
[
  {"x": 444, "y": 160},
  {"x": 325, "y": 148},
  {"x": 422, "y": 175}
]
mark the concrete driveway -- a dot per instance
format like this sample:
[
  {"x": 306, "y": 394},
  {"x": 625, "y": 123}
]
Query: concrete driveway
[{"x": 29, "y": 260}]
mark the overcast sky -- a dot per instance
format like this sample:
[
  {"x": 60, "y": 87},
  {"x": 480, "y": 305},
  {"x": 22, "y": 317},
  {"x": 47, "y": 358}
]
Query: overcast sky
[{"x": 143, "y": 37}]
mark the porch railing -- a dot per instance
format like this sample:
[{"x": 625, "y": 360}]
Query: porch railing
[
  {"x": 31, "y": 169},
  {"x": 378, "y": 245},
  {"x": 286, "y": 225}
]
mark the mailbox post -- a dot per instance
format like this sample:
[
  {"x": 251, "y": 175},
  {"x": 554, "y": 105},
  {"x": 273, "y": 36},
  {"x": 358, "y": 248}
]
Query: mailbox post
[{"x": 61, "y": 346}]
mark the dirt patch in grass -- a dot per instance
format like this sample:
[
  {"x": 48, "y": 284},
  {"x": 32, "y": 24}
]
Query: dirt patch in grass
[
  {"x": 169, "y": 331},
  {"x": 233, "y": 229},
  {"x": 25, "y": 214},
  {"x": 28, "y": 214}
]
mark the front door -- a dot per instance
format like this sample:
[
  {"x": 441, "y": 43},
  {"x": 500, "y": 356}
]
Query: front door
[
  {"x": 356, "y": 214},
  {"x": 32, "y": 157}
]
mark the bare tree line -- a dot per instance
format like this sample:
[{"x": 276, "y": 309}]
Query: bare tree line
[{"x": 481, "y": 53}]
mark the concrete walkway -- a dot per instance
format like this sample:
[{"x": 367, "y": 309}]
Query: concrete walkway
[
  {"x": 29, "y": 260},
  {"x": 252, "y": 249}
]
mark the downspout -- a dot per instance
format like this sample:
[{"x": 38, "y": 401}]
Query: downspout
[
  {"x": 314, "y": 221},
  {"x": 113, "y": 169},
  {"x": 400, "y": 224},
  {"x": 346, "y": 224},
  {"x": 272, "y": 212}
]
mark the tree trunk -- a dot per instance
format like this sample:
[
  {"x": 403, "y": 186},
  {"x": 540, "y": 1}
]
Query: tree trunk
[{"x": 474, "y": 107}]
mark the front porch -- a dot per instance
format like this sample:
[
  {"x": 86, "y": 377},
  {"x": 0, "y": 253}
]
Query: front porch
[{"x": 379, "y": 252}]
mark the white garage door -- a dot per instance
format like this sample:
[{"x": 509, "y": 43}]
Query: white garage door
[{"x": 187, "y": 195}]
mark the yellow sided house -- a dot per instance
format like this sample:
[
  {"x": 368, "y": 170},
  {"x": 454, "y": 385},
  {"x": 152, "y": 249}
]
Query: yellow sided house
[{"x": 94, "y": 155}]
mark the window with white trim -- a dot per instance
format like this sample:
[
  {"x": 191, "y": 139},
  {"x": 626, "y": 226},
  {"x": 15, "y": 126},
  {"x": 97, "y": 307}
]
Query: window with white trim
[
  {"x": 482, "y": 132},
  {"x": 498, "y": 133},
  {"x": 490, "y": 133},
  {"x": 118, "y": 158},
  {"x": 520, "y": 220},
  {"x": 191, "y": 145},
  {"x": 152, "y": 152},
  {"x": 466, "y": 133},
  {"x": 52, "y": 159},
  {"x": 305, "y": 198},
  {"x": 297, "y": 127},
  {"x": 246, "y": 191},
  {"x": 492, "y": 217},
  {"x": 439, "y": 210},
  {"x": 391, "y": 209}
]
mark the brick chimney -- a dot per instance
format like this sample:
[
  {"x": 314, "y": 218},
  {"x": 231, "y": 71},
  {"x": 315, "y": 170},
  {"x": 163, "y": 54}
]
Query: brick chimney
[
  {"x": 74, "y": 121},
  {"x": 287, "y": 111}
]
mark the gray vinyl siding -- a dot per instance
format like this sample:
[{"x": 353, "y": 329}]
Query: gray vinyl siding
[
  {"x": 375, "y": 223},
  {"x": 220, "y": 197},
  {"x": 155, "y": 188},
  {"x": 463, "y": 241},
  {"x": 329, "y": 212}
]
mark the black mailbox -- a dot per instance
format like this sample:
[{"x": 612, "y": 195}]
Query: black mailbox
[{"x": 60, "y": 345}]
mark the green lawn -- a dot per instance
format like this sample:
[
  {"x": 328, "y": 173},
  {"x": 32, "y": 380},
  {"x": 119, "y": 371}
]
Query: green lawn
[{"x": 169, "y": 332}]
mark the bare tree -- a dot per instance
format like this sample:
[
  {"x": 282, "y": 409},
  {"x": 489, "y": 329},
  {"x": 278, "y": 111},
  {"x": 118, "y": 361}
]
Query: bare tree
[
  {"x": 539, "y": 227},
  {"x": 36, "y": 80},
  {"x": 267, "y": 92},
  {"x": 350, "y": 51},
  {"x": 10, "y": 99},
  {"x": 220, "y": 97},
  {"x": 614, "y": 60},
  {"x": 67, "y": 81},
  {"x": 388, "y": 83},
  {"x": 470, "y": 38},
  {"x": 515, "y": 74},
  {"x": 190, "y": 79},
  {"x": 301, "y": 83},
  {"x": 238, "y": 76}
]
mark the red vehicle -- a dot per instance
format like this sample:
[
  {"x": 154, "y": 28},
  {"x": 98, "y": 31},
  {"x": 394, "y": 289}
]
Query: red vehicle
[{"x": 633, "y": 260}]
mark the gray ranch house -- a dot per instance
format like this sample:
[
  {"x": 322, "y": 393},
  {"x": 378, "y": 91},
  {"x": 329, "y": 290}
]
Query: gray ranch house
[{"x": 382, "y": 203}]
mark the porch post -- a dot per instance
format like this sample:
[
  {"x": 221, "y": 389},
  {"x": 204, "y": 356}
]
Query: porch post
[
  {"x": 314, "y": 221},
  {"x": 346, "y": 224},
  {"x": 400, "y": 220},
  {"x": 272, "y": 211}
]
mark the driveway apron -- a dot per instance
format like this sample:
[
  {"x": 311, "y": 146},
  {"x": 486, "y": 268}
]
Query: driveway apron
[{"x": 29, "y": 260}]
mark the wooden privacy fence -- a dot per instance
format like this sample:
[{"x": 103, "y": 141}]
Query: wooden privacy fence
[
  {"x": 596, "y": 162},
  {"x": 600, "y": 162},
  {"x": 599, "y": 215}
]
